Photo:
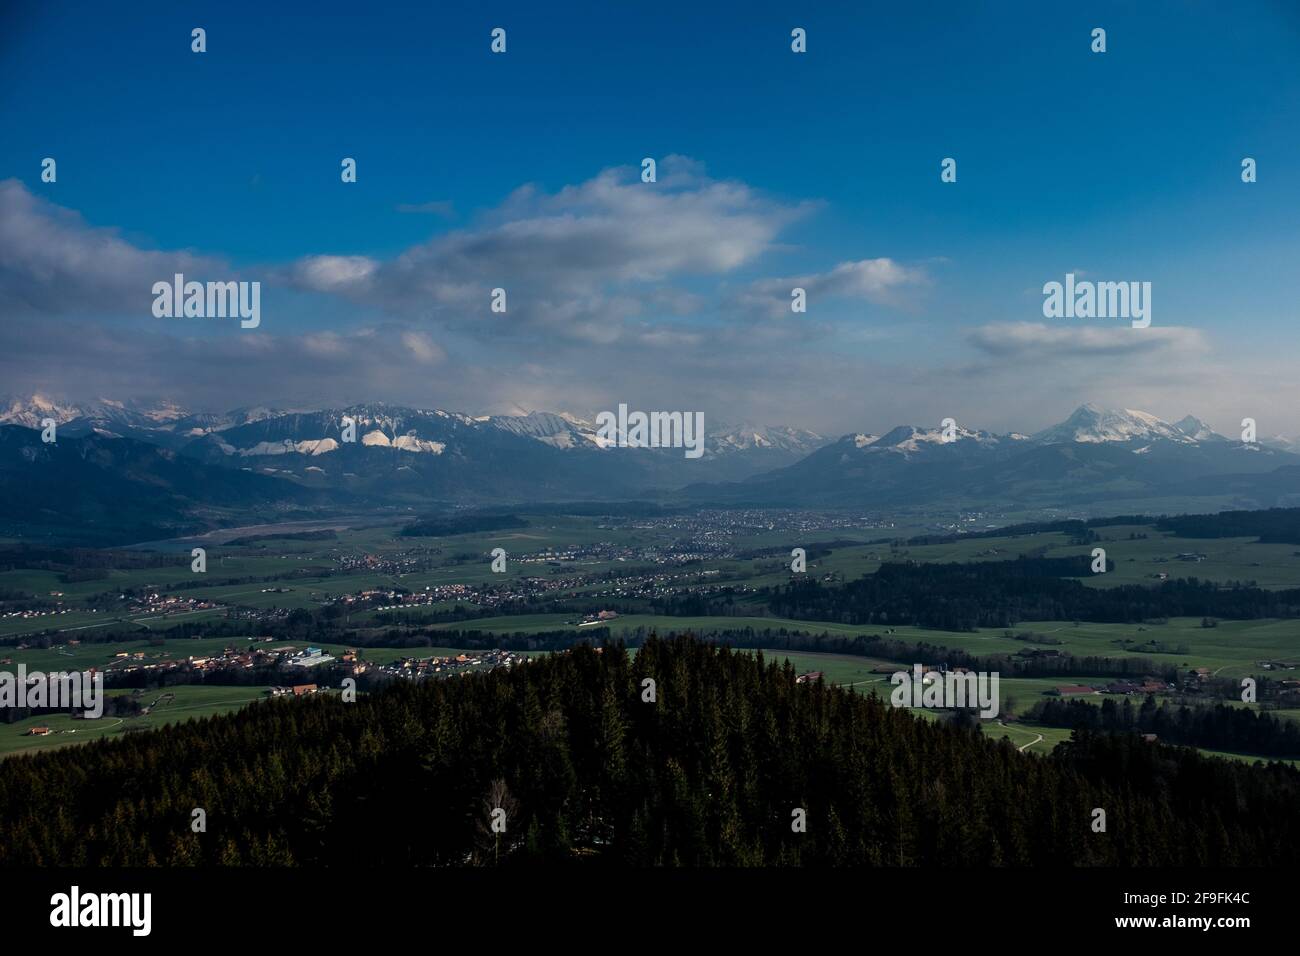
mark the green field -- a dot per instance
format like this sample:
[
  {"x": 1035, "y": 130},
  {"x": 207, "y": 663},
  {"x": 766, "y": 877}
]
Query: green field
[
  {"x": 304, "y": 566},
  {"x": 309, "y": 574},
  {"x": 1232, "y": 649},
  {"x": 1017, "y": 696},
  {"x": 190, "y": 701}
]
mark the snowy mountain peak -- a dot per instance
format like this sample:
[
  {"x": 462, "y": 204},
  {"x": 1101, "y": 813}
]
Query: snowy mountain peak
[
  {"x": 909, "y": 438},
  {"x": 1197, "y": 430},
  {"x": 1091, "y": 424},
  {"x": 744, "y": 437},
  {"x": 30, "y": 411},
  {"x": 556, "y": 430}
]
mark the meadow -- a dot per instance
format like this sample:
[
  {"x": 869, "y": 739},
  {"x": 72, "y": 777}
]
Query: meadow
[{"x": 187, "y": 701}]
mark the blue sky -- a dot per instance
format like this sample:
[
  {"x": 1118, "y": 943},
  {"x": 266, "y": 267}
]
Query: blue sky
[{"x": 1121, "y": 166}]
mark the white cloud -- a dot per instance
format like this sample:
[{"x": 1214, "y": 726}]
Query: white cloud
[
  {"x": 53, "y": 263},
  {"x": 422, "y": 348},
  {"x": 577, "y": 263},
  {"x": 618, "y": 291},
  {"x": 881, "y": 281},
  {"x": 332, "y": 273}
]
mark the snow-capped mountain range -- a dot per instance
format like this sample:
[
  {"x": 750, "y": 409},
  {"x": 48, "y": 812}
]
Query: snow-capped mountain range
[
  {"x": 32, "y": 411},
  {"x": 1092, "y": 424},
  {"x": 379, "y": 424},
  {"x": 1087, "y": 424},
  {"x": 1107, "y": 459},
  {"x": 1095, "y": 453}
]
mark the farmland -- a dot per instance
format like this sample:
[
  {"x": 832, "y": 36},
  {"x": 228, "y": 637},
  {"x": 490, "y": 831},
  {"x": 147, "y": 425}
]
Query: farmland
[{"x": 380, "y": 585}]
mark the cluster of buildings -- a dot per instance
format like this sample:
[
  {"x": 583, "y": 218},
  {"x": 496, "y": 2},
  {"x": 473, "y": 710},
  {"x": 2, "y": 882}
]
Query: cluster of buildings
[
  {"x": 259, "y": 614},
  {"x": 232, "y": 658},
  {"x": 35, "y": 613},
  {"x": 967, "y": 522},
  {"x": 695, "y": 548},
  {"x": 457, "y": 665},
  {"x": 600, "y": 617},
  {"x": 311, "y": 657},
  {"x": 514, "y": 591},
  {"x": 1288, "y": 691},
  {"x": 154, "y": 602},
  {"x": 1194, "y": 557},
  {"x": 1148, "y": 685},
  {"x": 645, "y": 586},
  {"x": 708, "y": 524},
  {"x": 150, "y": 603},
  {"x": 404, "y": 562},
  {"x": 392, "y": 599}
]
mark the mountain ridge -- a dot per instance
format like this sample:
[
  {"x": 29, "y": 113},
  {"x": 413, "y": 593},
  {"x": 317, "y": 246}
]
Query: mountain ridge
[
  {"x": 1087, "y": 423},
  {"x": 405, "y": 457}
]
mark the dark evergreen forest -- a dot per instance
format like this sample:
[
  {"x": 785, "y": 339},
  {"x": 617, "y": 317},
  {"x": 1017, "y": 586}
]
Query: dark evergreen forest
[
  {"x": 964, "y": 596},
  {"x": 589, "y": 773}
]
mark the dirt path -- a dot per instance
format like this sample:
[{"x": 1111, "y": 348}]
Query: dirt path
[{"x": 1038, "y": 737}]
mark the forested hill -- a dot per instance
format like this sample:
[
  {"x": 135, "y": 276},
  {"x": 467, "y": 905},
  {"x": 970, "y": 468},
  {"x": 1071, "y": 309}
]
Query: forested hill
[{"x": 708, "y": 774}]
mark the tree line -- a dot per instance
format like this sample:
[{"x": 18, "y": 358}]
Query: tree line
[
  {"x": 576, "y": 765},
  {"x": 964, "y": 597},
  {"x": 1271, "y": 525},
  {"x": 1213, "y": 727}
]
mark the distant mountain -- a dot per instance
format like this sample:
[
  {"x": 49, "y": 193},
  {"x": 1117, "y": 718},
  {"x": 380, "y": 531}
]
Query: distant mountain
[
  {"x": 1281, "y": 443},
  {"x": 415, "y": 455},
  {"x": 558, "y": 431},
  {"x": 201, "y": 423},
  {"x": 1096, "y": 457},
  {"x": 99, "y": 490},
  {"x": 743, "y": 448},
  {"x": 732, "y": 439},
  {"x": 1196, "y": 430},
  {"x": 1091, "y": 424},
  {"x": 32, "y": 411},
  {"x": 252, "y": 437},
  {"x": 412, "y": 457},
  {"x": 908, "y": 439},
  {"x": 448, "y": 455}
]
